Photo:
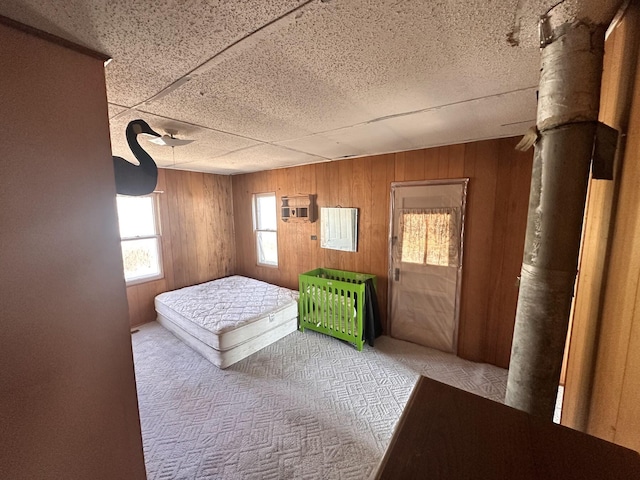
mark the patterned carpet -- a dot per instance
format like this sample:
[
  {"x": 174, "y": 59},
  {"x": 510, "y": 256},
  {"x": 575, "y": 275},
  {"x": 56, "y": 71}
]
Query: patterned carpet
[{"x": 306, "y": 407}]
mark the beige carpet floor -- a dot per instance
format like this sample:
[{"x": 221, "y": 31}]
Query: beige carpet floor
[{"x": 305, "y": 407}]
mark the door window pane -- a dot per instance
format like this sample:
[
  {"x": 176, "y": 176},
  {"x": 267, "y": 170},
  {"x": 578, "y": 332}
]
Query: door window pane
[
  {"x": 414, "y": 238},
  {"x": 426, "y": 238},
  {"x": 438, "y": 238}
]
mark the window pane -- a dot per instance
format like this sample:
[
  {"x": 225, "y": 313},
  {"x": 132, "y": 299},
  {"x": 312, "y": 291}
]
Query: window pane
[
  {"x": 438, "y": 234},
  {"x": 266, "y": 212},
  {"x": 135, "y": 216},
  {"x": 140, "y": 258},
  {"x": 267, "y": 248},
  {"x": 426, "y": 238},
  {"x": 414, "y": 237}
]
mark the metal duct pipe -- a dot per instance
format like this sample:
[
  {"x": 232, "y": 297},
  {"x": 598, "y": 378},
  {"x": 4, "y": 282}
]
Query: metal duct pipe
[{"x": 568, "y": 105}]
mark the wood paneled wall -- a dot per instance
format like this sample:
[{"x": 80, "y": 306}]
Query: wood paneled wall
[
  {"x": 68, "y": 405},
  {"x": 196, "y": 220},
  {"x": 602, "y": 388},
  {"x": 494, "y": 232}
]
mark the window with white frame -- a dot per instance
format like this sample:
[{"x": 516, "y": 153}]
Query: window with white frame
[
  {"x": 265, "y": 226},
  {"x": 140, "y": 238}
]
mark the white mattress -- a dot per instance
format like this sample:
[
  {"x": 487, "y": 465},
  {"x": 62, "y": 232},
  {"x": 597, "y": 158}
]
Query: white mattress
[
  {"x": 224, "y": 359},
  {"x": 228, "y": 313}
]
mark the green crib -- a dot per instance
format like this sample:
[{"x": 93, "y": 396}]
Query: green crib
[{"x": 332, "y": 302}]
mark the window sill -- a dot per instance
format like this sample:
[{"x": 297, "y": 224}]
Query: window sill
[
  {"x": 266, "y": 265},
  {"x": 138, "y": 281}
]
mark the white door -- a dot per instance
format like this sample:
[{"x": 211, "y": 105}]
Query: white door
[{"x": 426, "y": 261}]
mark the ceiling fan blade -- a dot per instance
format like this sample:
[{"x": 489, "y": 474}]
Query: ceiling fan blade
[{"x": 169, "y": 141}]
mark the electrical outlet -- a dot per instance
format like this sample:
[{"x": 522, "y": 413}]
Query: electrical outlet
[{"x": 314, "y": 237}]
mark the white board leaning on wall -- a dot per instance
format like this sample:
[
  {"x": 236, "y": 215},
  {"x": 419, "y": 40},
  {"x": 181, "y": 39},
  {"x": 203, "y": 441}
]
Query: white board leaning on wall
[{"x": 339, "y": 228}]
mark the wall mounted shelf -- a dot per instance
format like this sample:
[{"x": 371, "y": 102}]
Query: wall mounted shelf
[{"x": 298, "y": 208}]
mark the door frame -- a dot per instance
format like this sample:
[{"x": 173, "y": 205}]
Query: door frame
[{"x": 464, "y": 181}]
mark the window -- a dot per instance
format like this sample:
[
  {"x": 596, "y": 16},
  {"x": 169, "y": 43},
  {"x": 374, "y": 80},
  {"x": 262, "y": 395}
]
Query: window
[
  {"x": 140, "y": 238},
  {"x": 426, "y": 237},
  {"x": 265, "y": 226}
]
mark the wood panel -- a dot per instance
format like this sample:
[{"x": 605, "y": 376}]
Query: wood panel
[
  {"x": 481, "y": 167},
  {"x": 510, "y": 219},
  {"x": 198, "y": 241},
  {"x": 602, "y": 387},
  {"x": 68, "y": 397},
  {"x": 497, "y": 206},
  {"x": 580, "y": 358}
]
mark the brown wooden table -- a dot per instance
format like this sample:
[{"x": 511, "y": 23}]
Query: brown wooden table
[{"x": 447, "y": 433}]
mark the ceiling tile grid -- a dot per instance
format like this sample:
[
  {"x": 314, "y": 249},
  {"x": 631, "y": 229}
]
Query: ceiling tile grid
[{"x": 270, "y": 83}]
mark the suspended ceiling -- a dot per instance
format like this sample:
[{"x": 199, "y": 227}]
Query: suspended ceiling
[{"x": 271, "y": 83}]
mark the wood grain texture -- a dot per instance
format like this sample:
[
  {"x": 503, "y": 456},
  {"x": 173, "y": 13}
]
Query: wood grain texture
[
  {"x": 447, "y": 433},
  {"x": 580, "y": 360},
  {"x": 510, "y": 218},
  {"x": 496, "y": 206},
  {"x": 603, "y": 368},
  {"x": 481, "y": 167},
  {"x": 198, "y": 241}
]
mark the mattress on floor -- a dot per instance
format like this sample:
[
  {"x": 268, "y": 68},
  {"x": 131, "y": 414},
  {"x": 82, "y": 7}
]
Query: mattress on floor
[
  {"x": 228, "y": 313},
  {"x": 226, "y": 358}
]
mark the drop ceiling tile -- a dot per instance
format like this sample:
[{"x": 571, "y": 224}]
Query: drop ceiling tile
[
  {"x": 361, "y": 71},
  {"x": 345, "y": 63},
  {"x": 330, "y": 145},
  {"x": 204, "y": 167},
  {"x": 115, "y": 110},
  {"x": 493, "y": 117},
  {"x": 365, "y": 139},
  {"x": 498, "y": 116},
  {"x": 261, "y": 157},
  {"x": 152, "y": 43}
]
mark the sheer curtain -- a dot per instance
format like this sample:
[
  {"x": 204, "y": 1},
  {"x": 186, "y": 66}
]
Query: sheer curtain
[{"x": 429, "y": 236}]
